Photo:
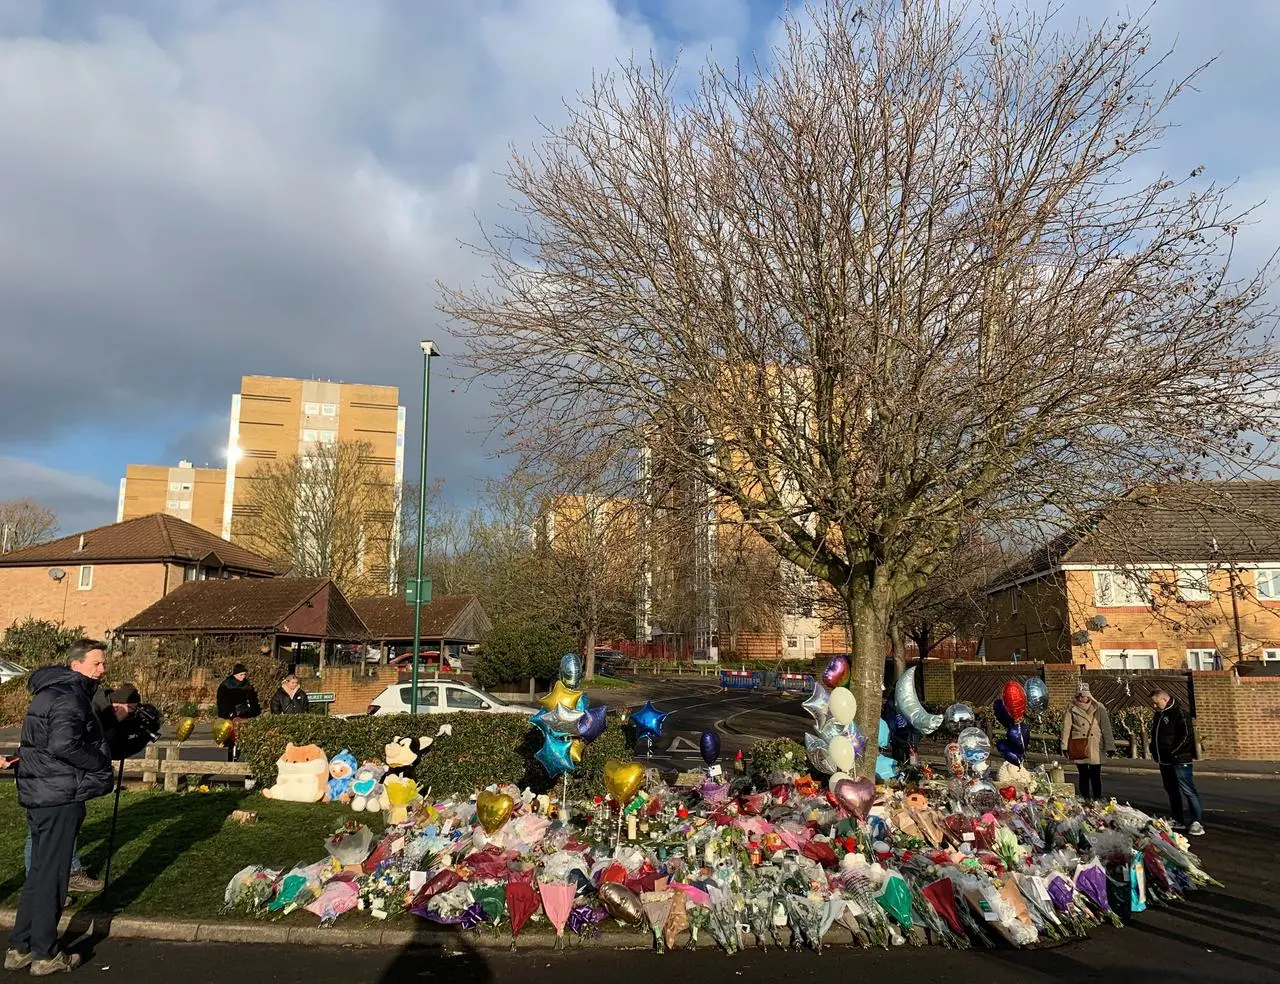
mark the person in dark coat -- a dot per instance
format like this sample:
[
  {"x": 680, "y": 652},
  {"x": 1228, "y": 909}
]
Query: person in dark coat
[
  {"x": 1173, "y": 746},
  {"x": 237, "y": 701},
  {"x": 63, "y": 761},
  {"x": 290, "y": 698}
]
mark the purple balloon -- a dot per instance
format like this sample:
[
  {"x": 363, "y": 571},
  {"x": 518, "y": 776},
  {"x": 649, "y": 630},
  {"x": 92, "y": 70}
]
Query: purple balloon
[
  {"x": 709, "y": 744},
  {"x": 591, "y": 724},
  {"x": 1024, "y": 732},
  {"x": 1011, "y": 754},
  {"x": 1002, "y": 713}
]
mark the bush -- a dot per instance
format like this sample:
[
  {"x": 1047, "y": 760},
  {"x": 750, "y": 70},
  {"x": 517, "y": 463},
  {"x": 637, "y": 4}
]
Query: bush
[
  {"x": 515, "y": 653},
  {"x": 777, "y": 753},
  {"x": 483, "y": 749},
  {"x": 34, "y": 642}
]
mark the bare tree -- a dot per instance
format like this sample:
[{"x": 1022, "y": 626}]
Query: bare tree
[
  {"x": 902, "y": 279},
  {"x": 328, "y": 513},
  {"x": 24, "y": 523}
]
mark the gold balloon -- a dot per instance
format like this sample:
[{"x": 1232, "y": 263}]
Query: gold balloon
[
  {"x": 185, "y": 727},
  {"x": 562, "y": 696},
  {"x": 623, "y": 780},
  {"x": 224, "y": 732},
  {"x": 493, "y": 809},
  {"x": 575, "y": 750}
]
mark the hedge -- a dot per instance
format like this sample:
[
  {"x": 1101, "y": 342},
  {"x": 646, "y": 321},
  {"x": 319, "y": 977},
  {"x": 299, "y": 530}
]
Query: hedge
[{"x": 483, "y": 749}]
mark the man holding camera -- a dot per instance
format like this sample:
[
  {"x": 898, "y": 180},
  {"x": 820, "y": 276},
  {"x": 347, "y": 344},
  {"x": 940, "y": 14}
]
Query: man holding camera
[{"x": 63, "y": 761}]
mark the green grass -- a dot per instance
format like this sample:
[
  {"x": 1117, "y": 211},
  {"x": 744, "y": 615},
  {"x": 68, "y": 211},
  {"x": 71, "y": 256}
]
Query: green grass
[
  {"x": 608, "y": 681},
  {"x": 175, "y": 852}
]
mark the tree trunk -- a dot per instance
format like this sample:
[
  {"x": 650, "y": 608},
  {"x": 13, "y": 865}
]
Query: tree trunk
[
  {"x": 869, "y": 618},
  {"x": 589, "y": 654},
  {"x": 899, "y": 650}
]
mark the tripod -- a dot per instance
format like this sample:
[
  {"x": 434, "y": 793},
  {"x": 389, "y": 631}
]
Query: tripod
[{"x": 111, "y": 836}]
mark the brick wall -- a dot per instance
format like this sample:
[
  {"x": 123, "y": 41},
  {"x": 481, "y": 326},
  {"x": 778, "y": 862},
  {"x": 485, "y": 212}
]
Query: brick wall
[
  {"x": 1238, "y": 717},
  {"x": 116, "y": 594},
  {"x": 353, "y": 687}
]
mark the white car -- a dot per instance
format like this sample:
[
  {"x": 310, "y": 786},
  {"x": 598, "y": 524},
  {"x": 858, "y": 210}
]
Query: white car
[
  {"x": 441, "y": 697},
  {"x": 10, "y": 671}
]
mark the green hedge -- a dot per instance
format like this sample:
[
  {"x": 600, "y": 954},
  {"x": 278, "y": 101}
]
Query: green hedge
[{"x": 483, "y": 749}]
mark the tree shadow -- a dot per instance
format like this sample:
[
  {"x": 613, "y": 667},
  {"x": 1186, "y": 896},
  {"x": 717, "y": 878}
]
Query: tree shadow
[{"x": 451, "y": 958}]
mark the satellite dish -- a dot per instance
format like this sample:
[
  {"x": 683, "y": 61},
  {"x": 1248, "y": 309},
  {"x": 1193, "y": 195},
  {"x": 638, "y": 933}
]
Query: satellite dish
[{"x": 57, "y": 573}]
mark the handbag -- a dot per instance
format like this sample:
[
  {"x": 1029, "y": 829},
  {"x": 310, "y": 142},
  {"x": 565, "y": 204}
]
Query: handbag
[{"x": 1078, "y": 749}]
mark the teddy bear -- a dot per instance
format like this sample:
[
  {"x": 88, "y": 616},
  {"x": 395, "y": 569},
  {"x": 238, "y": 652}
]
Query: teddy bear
[
  {"x": 342, "y": 770},
  {"x": 368, "y": 792}
]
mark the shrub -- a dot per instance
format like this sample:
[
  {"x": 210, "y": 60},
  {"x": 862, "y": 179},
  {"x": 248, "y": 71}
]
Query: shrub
[
  {"x": 514, "y": 653},
  {"x": 777, "y": 753},
  {"x": 34, "y": 642},
  {"x": 483, "y": 749}
]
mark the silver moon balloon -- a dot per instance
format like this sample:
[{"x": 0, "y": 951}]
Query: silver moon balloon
[{"x": 908, "y": 704}]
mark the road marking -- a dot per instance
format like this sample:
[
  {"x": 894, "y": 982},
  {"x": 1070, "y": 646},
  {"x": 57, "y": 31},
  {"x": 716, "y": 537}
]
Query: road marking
[{"x": 683, "y": 745}]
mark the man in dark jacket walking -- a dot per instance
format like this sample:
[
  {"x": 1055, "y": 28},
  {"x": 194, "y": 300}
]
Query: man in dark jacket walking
[
  {"x": 290, "y": 698},
  {"x": 1173, "y": 746},
  {"x": 63, "y": 761},
  {"x": 237, "y": 701}
]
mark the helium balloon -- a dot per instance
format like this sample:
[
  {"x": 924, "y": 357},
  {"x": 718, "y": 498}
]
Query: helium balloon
[
  {"x": 576, "y": 748},
  {"x": 184, "y": 729},
  {"x": 898, "y": 725},
  {"x": 975, "y": 746},
  {"x": 709, "y": 745},
  {"x": 908, "y": 702},
  {"x": 493, "y": 809},
  {"x": 1015, "y": 699},
  {"x": 556, "y": 754},
  {"x": 818, "y": 704},
  {"x": 649, "y": 721},
  {"x": 224, "y": 732},
  {"x": 623, "y": 780},
  {"x": 836, "y": 673},
  {"x": 958, "y": 717},
  {"x": 571, "y": 670},
  {"x": 844, "y": 706},
  {"x": 857, "y": 739},
  {"x": 1010, "y": 753},
  {"x": 1002, "y": 713},
  {"x": 831, "y": 729},
  {"x": 835, "y": 778},
  {"x": 1037, "y": 694},
  {"x": 982, "y": 797},
  {"x": 592, "y": 723},
  {"x": 840, "y": 753},
  {"x": 816, "y": 749},
  {"x": 621, "y": 903},
  {"x": 559, "y": 718},
  {"x": 857, "y": 796}
]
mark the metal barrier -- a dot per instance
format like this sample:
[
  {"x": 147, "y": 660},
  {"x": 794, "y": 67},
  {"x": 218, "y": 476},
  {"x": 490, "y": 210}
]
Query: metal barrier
[
  {"x": 739, "y": 680},
  {"x": 795, "y": 683}
]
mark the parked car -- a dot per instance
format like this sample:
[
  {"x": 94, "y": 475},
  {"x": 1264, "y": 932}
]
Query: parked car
[
  {"x": 10, "y": 670},
  {"x": 437, "y": 697},
  {"x": 607, "y": 661}
]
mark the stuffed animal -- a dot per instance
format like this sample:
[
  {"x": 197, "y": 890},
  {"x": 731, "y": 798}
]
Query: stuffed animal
[
  {"x": 342, "y": 769},
  {"x": 301, "y": 774},
  {"x": 368, "y": 793},
  {"x": 402, "y": 753}
]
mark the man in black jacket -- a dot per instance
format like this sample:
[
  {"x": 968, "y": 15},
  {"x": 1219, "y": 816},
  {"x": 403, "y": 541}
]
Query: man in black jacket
[
  {"x": 63, "y": 761},
  {"x": 237, "y": 700},
  {"x": 1173, "y": 746},
  {"x": 290, "y": 698}
]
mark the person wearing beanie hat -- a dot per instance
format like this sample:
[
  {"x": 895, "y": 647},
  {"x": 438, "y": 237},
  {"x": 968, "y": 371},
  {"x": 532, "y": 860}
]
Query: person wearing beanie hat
[
  {"x": 1086, "y": 738},
  {"x": 237, "y": 700}
]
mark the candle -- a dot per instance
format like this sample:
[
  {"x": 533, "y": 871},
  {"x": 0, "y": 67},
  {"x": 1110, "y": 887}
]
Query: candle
[{"x": 631, "y": 827}]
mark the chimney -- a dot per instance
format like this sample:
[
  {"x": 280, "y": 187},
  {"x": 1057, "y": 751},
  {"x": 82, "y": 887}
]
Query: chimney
[{"x": 80, "y": 548}]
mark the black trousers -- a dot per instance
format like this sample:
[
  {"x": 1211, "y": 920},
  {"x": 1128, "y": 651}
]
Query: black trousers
[
  {"x": 53, "y": 841},
  {"x": 1090, "y": 781}
]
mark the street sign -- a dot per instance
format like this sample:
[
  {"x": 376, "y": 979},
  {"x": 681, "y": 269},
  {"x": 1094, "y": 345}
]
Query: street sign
[{"x": 411, "y": 591}]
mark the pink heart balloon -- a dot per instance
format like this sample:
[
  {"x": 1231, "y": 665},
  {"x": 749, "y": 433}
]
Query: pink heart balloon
[{"x": 855, "y": 795}]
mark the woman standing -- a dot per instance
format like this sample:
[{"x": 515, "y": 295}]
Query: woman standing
[{"x": 1086, "y": 737}]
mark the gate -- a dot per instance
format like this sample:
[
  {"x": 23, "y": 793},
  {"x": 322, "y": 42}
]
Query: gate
[
  {"x": 1120, "y": 691},
  {"x": 979, "y": 684}
]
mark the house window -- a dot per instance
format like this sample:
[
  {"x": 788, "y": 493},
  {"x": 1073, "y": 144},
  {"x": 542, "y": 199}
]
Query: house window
[
  {"x": 173, "y": 503},
  {"x": 1117, "y": 589},
  {"x": 1203, "y": 659},
  {"x": 1268, "y": 580},
  {"x": 86, "y": 577},
  {"x": 174, "y": 486},
  {"x": 186, "y": 486},
  {"x": 311, "y": 409},
  {"x": 1129, "y": 659},
  {"x": 190, "y": 572},
  {"x": 309, "y": 435},
  {"x": 327, "y": 437},
  {"x": 184, "y": 504},
  {"x": 793, "y": 642},
  {"x": 810, "y": 644},
  {"x": 1013, "y": 600},
  {"x": 329, "y": 410},
  {"x": 1193, "y": 583},
  {"x": 1271, "y": 655}
]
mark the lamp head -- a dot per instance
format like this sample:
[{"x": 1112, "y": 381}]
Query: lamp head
[{"x": 429, "y": 349}]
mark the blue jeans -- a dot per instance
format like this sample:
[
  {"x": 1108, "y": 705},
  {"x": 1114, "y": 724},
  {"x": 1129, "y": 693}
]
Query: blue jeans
[
  {"x": 26, "y": 856},
  {"x": 1180, "y": 781}
]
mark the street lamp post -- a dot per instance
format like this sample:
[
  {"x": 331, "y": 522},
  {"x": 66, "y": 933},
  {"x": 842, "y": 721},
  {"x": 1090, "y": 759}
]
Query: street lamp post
[{"x": 429, "y": 351}]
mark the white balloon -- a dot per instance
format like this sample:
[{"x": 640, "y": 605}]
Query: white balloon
[
  {"x": 836, "y": 777},
  {"x": 908, "y": 704},
  {"x": 843, "y": 705},
  {"x": 840, "y": 753}
]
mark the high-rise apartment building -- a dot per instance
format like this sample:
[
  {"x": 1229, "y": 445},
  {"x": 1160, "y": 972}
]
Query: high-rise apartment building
[
  {"x": 274, "y": 419},
  {"x": 189, "y": 493}
]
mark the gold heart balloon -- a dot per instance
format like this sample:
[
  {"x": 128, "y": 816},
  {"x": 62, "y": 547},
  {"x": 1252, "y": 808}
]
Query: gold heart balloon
[
  {"x": 224, "y": 732},
  {"x": 623, "y": 780},
  {"x": 184, "y": 729},
  {"x": 561, "y": 696},
  {"x": 493, "y": 809}
]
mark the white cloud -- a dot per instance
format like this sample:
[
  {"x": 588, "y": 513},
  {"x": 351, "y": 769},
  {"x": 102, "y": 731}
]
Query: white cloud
[{"x": 80, "y": 502}]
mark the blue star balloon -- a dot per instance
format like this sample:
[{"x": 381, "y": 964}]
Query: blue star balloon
[
  {"x": 555, "y": 755},
  {"x": 649, "y": 721}
]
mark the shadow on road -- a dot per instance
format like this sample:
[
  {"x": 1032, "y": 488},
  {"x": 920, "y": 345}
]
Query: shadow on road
[{"x": 454, "y": 961}]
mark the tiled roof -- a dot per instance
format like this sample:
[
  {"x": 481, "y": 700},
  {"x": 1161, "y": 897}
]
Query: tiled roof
[
  {"x": 456, "y": 617},
  {"x": 1188, "y": 523},
  {"x": 250, "y": 605},
  {"x": 148, "y": 538}
]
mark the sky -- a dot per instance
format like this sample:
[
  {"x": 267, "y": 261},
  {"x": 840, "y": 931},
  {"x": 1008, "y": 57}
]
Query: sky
[{"x": 192, "y": 190}]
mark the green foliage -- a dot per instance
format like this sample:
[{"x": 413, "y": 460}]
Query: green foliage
[
  {"x": 483, "y": 749},
  {"x": 35, "y": 642},
  {"x": 1132, "y": 722},
  {"x": 512, "y": 653},
  {"x": 777, "y": 753}
]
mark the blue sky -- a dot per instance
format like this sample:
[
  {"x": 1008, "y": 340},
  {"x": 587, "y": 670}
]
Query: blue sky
[{"x": 196, "y": 189}]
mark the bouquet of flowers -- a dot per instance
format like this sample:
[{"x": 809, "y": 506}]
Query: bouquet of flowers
[
  {"x": 1091, "y": 882},
  {"x": 250, "y": 889}
]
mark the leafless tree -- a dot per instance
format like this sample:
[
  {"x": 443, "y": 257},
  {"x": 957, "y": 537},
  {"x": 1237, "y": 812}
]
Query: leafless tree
[
  {"x": 24, "y": 523},
  {"x": 330, "y": 512},
  {"x": 903, "y": 277}
]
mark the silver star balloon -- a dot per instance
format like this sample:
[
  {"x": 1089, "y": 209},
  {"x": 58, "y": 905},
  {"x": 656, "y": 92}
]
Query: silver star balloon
[{"x": 818, "y": 705}]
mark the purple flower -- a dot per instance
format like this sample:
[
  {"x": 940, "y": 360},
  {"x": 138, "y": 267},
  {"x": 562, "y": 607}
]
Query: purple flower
[{"x": 1091, "y": 880}]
